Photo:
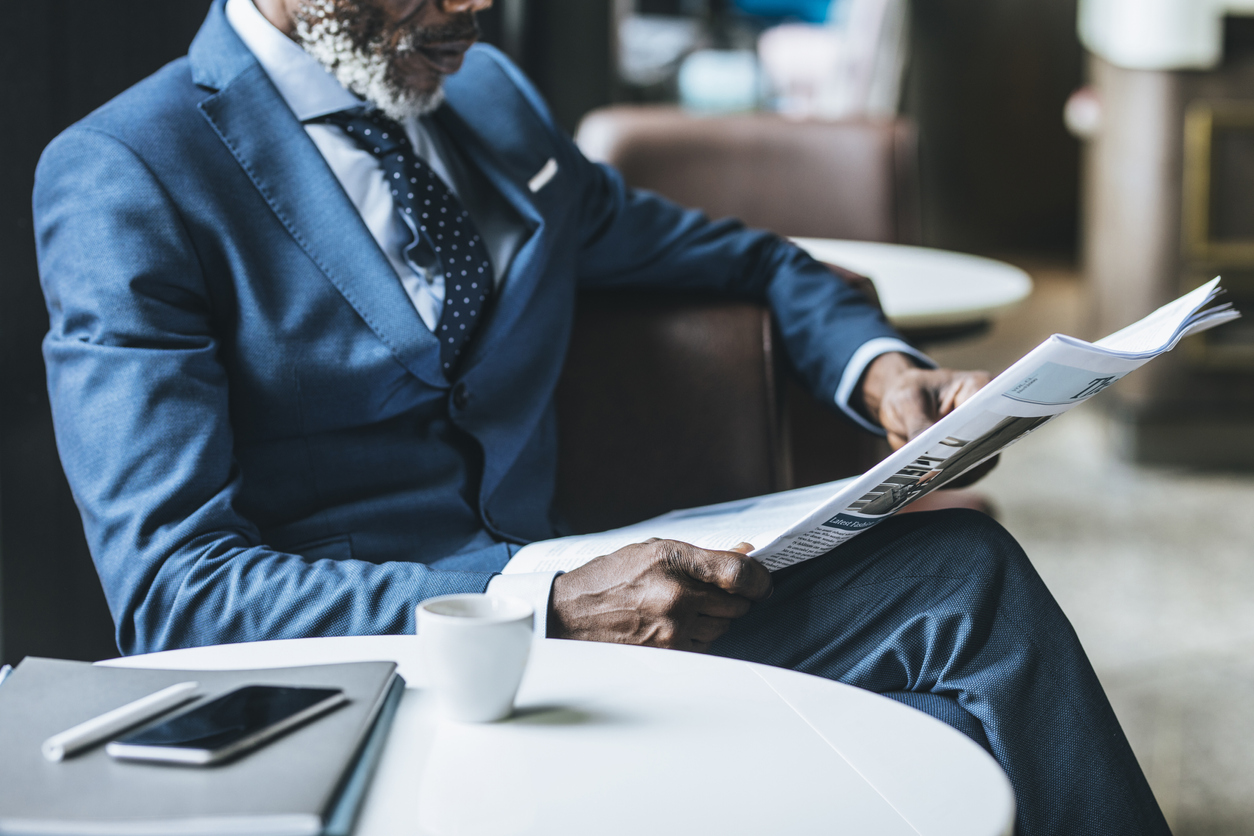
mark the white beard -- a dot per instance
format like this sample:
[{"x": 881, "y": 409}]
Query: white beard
[{"x": 365, "y": 72}]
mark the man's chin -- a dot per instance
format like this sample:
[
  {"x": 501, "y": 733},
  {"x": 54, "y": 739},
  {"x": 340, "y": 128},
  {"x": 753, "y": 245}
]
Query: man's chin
[{"x": 401, "y": 105}]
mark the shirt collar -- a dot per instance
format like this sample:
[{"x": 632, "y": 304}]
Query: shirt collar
[{"x": 309, "y": 90}]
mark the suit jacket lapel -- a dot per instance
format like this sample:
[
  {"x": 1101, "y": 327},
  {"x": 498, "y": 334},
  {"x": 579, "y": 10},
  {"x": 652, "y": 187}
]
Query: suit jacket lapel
[{"x": 290, "y": 173}]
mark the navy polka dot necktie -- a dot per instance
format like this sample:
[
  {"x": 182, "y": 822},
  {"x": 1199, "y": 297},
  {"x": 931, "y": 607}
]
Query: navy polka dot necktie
[{"x": 445, "y": 240}]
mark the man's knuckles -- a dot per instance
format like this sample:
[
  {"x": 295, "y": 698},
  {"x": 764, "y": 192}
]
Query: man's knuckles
[
  {"x": 674, "y": 556},
  {"x": 681, "y": 596},
  {"x": 708, "y": 629},
  {"x": 669, "y": 597},
  {"x": 737, "y": 573},
  {"x": 734, "y": 606},
  {"x": 666, "y": 633}
]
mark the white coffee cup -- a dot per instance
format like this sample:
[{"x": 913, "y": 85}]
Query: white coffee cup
[{"x": 474, "y": 650}]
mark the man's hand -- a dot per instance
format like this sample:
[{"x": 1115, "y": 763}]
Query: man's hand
[
  {"x": 905, "y": 400},
  {"x": 660, "y": 593}
]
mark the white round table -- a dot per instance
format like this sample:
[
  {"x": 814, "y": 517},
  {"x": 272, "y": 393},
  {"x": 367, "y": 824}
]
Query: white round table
[
  {"x": 922, "y": 288},
  {"x": 609, "y": 739}
]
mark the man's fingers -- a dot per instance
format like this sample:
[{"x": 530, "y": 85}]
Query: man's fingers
[
  {"x": 923, "y": 398},
  {"x": 719, "y": 604},
  {"x": 921, "y": 416},
  {"x": 960, "y": 389},
  {"x": 706, "y": 629},
  {"x": 732, "y": 571},
  {"x": 661, "y": 593},
  {"x": 907, "y": 413}
]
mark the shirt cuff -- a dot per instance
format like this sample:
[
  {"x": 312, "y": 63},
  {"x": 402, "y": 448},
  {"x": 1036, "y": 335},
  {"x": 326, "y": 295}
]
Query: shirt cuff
[
  {"x": 857, "y": 364},
  {"x": 532, "y": 587}
]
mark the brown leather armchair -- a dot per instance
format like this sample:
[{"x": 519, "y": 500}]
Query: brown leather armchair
[{"x": 673, "y": 402}]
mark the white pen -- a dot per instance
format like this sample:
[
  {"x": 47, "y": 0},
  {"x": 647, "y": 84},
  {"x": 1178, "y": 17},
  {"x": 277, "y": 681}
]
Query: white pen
[{"x": 61, "y": 746}]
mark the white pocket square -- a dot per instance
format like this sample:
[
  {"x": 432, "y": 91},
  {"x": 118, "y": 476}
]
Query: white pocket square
[{"x": 543, "y": 176}]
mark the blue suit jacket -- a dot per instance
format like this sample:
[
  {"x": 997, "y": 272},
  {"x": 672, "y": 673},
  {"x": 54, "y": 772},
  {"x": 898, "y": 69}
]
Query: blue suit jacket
[{"x": 252, "y": 417}]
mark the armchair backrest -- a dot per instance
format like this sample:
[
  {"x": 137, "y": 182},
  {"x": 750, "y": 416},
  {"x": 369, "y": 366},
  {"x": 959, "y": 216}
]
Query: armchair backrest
[{"x": 853, "y": 178}]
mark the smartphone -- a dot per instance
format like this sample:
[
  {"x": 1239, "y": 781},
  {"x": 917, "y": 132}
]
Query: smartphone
[{"x": 227, "y": 726}]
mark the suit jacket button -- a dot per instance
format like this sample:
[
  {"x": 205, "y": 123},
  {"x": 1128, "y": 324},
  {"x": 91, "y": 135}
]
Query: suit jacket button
[{"x": 461, "y": 396}]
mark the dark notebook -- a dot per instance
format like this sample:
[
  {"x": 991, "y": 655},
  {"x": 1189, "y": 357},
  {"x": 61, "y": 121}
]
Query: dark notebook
[{"x": 309, "y": 781}]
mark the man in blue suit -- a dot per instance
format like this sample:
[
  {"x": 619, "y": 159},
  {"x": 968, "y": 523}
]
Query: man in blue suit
[{"x": 310, "y": 291}]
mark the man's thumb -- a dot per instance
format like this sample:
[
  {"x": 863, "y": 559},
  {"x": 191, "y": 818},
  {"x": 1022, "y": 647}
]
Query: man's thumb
[{"x": 730, "y": 571}]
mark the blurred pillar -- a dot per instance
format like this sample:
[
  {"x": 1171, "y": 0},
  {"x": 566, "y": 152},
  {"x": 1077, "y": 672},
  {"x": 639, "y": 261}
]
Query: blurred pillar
[
  {"x": 568, "y": 50},
  {"x": 986, "y": 86},
  {"x": 1169, "y": 204}
]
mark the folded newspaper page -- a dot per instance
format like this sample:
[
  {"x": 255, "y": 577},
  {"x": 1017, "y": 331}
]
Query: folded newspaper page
[{"x": 793, "y": 526}]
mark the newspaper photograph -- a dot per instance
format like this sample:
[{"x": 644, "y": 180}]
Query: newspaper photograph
[{"x": 792, "y": 526}]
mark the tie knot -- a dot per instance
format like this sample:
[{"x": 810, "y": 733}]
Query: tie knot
[{"x": 371, "y": 130}]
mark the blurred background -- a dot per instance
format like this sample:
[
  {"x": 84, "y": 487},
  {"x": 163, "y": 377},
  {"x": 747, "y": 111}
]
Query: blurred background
[{"x": 1105, "y": 147}]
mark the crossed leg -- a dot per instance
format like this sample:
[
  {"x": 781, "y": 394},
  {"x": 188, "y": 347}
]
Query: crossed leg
[{"x": 943, "y": 611}]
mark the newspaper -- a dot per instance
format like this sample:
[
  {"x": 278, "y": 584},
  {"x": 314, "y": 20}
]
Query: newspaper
[{"x": 793, "y": 526}]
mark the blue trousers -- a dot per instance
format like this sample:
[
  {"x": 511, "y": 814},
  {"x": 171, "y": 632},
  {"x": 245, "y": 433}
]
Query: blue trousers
[{"x": 944, "y": 612}]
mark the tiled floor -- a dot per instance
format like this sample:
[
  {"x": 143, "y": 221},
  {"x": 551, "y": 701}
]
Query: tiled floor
[{"x": 1155, "y": 568}]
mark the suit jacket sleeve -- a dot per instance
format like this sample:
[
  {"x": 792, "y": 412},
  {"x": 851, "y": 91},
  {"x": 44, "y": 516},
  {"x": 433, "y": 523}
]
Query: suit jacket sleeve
[
  {"x": 636, "y": 238},
  {"x": 142, "y": 409}
]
